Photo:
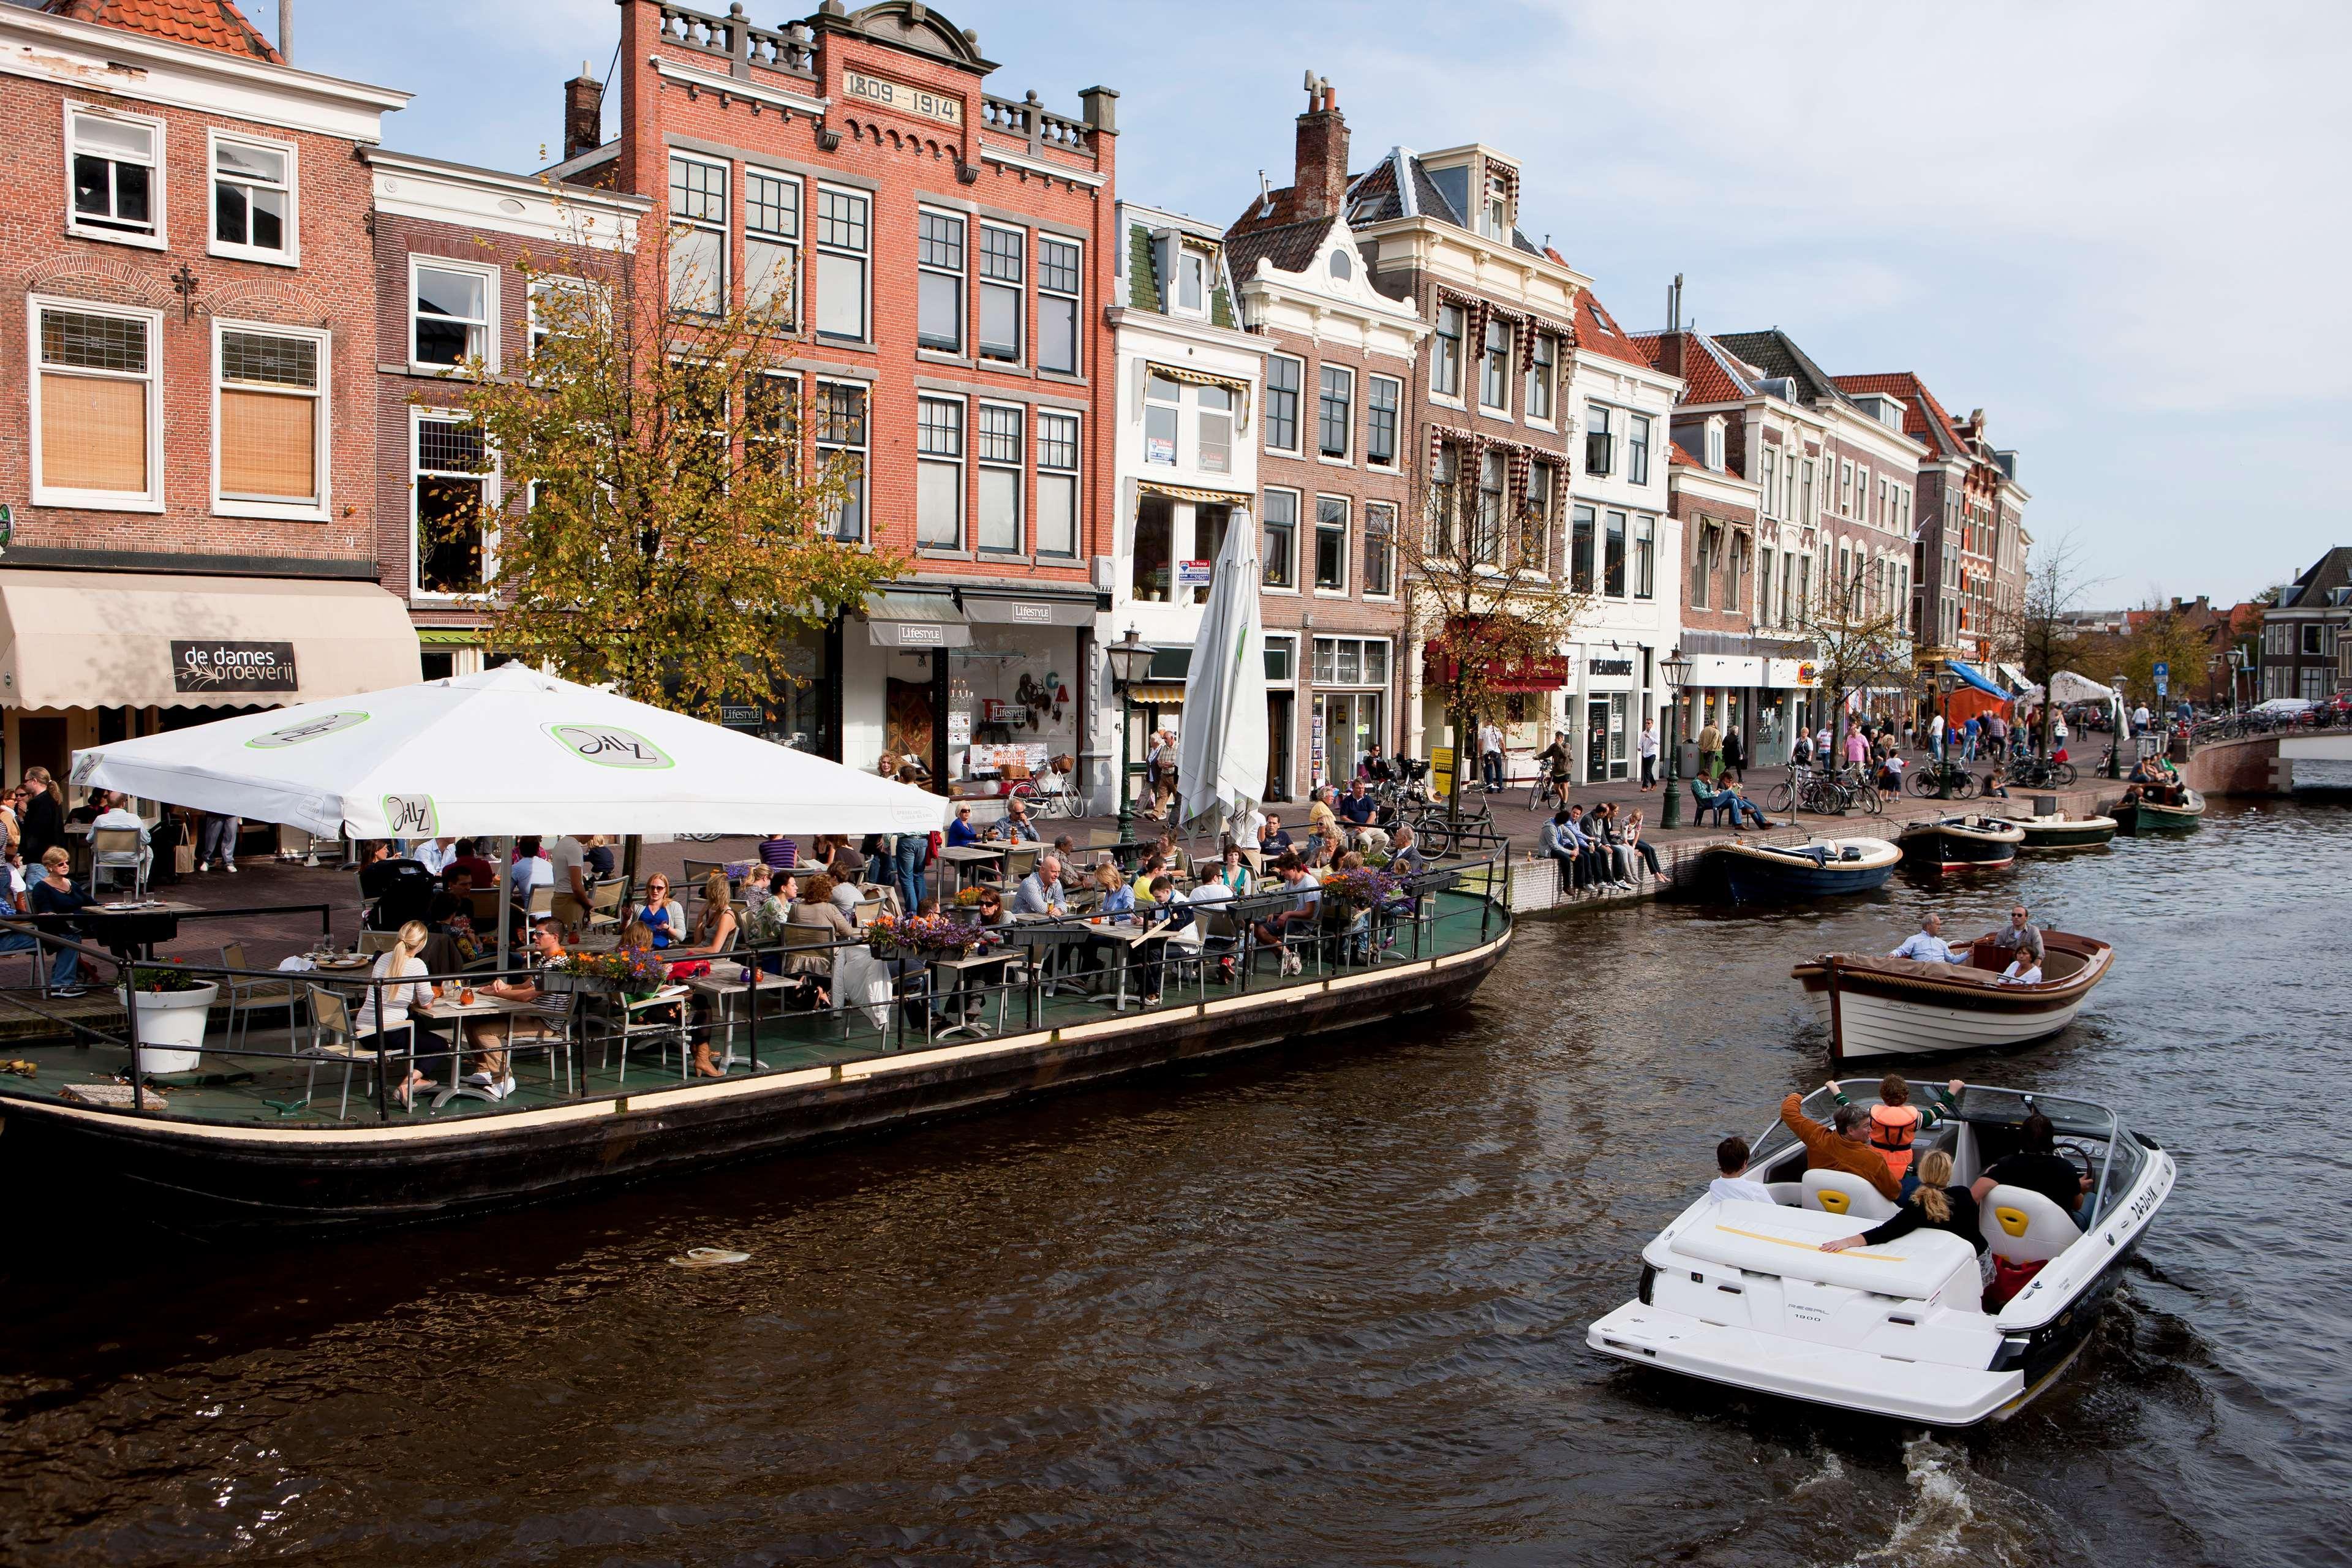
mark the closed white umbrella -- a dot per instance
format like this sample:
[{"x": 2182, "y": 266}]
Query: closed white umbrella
[{"x": 1221, "y": 751}]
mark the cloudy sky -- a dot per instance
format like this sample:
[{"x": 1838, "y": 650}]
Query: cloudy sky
[{"x": 2117, "y": 228}]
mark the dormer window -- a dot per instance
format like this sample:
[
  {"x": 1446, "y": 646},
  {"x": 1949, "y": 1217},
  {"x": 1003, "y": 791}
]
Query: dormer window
[
  {"x": 1191, "y": 282},
  {"x": 1495, "y": 217},
  {"x": 1715, "y": 444}
]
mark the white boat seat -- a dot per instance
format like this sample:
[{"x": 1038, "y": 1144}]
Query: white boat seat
[
  {"x": 1836, "y": 1192},
  {"x": 2024, "y": 1226},
  {"x": 1765, "y": 1238},
  {"x": 1787, "y": 1194}
]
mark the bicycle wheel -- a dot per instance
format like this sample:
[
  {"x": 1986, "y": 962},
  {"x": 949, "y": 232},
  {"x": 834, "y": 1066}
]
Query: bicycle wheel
[
  {"x": 1868, "y": 799},
  {"x": 1924, "y": 784},
  {"x": 2062, "y": 775},
  {"x": 1964, "y": 785},
  {"x": 1779, "y": 798},
  {"x": 1435, "y": 839}
]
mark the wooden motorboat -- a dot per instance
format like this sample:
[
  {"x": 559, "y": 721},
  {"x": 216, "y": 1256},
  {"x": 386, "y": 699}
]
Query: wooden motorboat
[
  {"x": 1960, "y": 842},
  {"x": 2137, "y": 814},
  {"x": 2060, "y": 831},
  {"x": 1878, "y": 1006},
  {"x": 1823, "y": 868}
]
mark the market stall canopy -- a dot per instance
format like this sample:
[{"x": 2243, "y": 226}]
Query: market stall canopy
[
  {"x": 1970, "y": 674},
  {"x": 2066, "y": 686},
  {"x": 506, "y": 751},
  {"x": 137, "y": 640}
]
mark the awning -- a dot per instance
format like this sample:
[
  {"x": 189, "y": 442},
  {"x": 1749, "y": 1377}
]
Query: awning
[
  {"x": 916, "y": 620},
  {"x": 1039, "y": 610},
  {"x": 2015, "y": 676},
  {"x": 1970, "y": 675},
  {"x": 1730, "y": 669},
  {"x": 1200, "y": 378},
  {"x": 128, "y": 639},
  {"x": 1195, "y": 493},
  {"x": 1164, "y": 692}
]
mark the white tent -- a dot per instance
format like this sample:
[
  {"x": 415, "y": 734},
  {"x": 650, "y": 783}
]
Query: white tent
[
  {"x": 504, "y": 751},
  {"x": 1222, "y": 740}
]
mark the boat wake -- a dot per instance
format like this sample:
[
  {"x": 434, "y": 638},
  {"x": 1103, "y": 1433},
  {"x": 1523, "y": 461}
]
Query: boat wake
[{"x": 1958, "y": 1518}]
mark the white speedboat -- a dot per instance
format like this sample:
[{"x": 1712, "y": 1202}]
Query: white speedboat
[
  {"x": 1741, "y": 1294},
  {"x": 1874, "y": 1005}
]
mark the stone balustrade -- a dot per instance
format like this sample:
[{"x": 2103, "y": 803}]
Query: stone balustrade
[
  {"x": 1030, "y": 120},
  {"x": 733, "y": 39}
]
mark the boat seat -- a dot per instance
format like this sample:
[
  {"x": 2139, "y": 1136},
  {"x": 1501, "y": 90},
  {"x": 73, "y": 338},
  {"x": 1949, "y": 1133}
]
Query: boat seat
[
  {"x": 2023, "y": 1227},
  {"x": 1787, "y": 1194},
  {"x": 1761, "y": 1238},
  {"x": 1839, "y": 1193}
]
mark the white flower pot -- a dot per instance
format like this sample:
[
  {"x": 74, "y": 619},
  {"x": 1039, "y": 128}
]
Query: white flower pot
[{"x": 172, "y": 1028}]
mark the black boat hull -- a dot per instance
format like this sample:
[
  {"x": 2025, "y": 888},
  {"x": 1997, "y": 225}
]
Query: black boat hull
[
  {"x": 1940, "y": 850},
  {"x": 1752, "y": 882}
]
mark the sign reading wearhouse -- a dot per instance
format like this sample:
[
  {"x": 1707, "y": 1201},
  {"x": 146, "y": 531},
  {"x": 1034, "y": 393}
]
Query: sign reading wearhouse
[{"x": 232, "y": 665}]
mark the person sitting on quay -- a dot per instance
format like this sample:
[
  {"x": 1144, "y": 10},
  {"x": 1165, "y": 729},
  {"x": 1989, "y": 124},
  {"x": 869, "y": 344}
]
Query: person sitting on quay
[
  {"x": 1732, "y": 1182},
  {"x": 1599, "y": 850},
  {"x": 1558, "y": 840},
  {"x": 1846, "y": 1148},
  {"x": 1640, "y": 845},
  {"x": 1599, "y": 825},
  {"x": 1895, "y": 1121},
  {"x": 1927, "y": 945},
  {"x": 1730, "y": 801}
]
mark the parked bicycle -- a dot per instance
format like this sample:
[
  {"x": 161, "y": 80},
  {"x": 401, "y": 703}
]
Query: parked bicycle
[
  {"x": 1929, "y": 779},
  {"x": 2037, "y": 773}
]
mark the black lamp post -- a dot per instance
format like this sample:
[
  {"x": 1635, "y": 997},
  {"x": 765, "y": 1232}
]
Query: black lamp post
[
  {"x": 1130, "y": 659},
  {"x": 1676, "y": 670},
  {"x": 1946, "y": 681}
]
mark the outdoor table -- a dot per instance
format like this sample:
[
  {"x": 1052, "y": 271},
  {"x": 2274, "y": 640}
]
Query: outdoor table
[
  {"x": 722, "y": 991},
  {"x": 1117, "y": 999},
  {"x": 964, "y": 856},
  {"x": 449, "y": 1009},
  {"x": 1047, "y": 938},
  {"x": 959, "y": 966},
  {"x": 131, "y": 930},
  {"x": 593, "y": 944}
]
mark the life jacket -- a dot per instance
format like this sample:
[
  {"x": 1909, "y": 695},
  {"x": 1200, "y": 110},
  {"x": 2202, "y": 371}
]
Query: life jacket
[{"x": 1890, "y": 1127}]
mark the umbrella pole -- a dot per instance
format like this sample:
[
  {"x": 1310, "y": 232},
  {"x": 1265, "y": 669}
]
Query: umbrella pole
[{"x": 506, "y": 897}]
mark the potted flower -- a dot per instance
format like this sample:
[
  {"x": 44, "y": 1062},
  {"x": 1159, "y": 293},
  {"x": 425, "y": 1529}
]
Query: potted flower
[
  {"x": 588, "y": 973},
  {"x": 169, "y": 1004},
  {"x": 921, "y": 936}
]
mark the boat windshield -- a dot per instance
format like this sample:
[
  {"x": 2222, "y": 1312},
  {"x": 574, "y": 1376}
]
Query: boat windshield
[{"x": 1979, "y": 1102}]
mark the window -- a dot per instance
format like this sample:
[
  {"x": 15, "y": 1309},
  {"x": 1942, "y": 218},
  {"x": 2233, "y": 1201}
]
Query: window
[
  {"x": 1155, "y": 548},
  {"x": 1715, "y": 444},
  {"x": 451, "y": 489},
  {"x": 1612, "y": 555},
  {"x": 1191, "y": 282},
  {"x": 841, "y": 238},
  {"x": 1057, "y": 306},
  {"x": 771, "y": 233},
  {"x": 1336, "y": 415},
  {"x": 1444, "y": 498},
  {"x": 1057, "y": 484},
  {"x": 1163, "y": 407},
  {"x": 1535, "y": 521},
  {"x": 1383, "y": 403},
  {"x": 841, "y": 449},
  {"x": 1284, "y": 380},
  {"x": 1281, "y": 541},
  {"x": 558, "y": 305},
  {"x": 1736, "y": 592},
  {"x": 1001, "y": 271},
  {"x": 697, "y": 236},
  {"x": 269, "y": 420},
  {"x": 95, "y": 408},
  {"x": 1495, "y": 367},
  {"x": 1330, "y": 544},
  {"x": 1543, "y": 358},
  {"x": 1637, "y": 449},
  {"x": 772, "y": 423},
  {"x": 1600, "y": 446},
  {"x": 1497, "y": 223},
  {"x": 1380, "y": 550},
  {"x": 1488, "y": 544},
  {"x": 253, "y": 200},
  {"x": 117, "y": 165},
  {"x": 938, "y": 282},
  {"x": 998, "y": 454},
  {"x": 1445, "y": 357},
  {"x": 1769, "y": 473},
  {"x": 1580, "y": 549},
  {"x": 1845, "y": 489},
  {"x": 454, "y": 305},
  {"x": 1764, "y": 586},
  {"x": 1350, "y": 661},
  {"x": 1216, "y": 429},
  {"x": 1702, "y": 564},
  {"x": 939, "y": 473},
  {"x": 1862, "y": 494},
  {"x": 1645, "y": 549},
  {"x": 2311, "y": 636},
  {"x": 1804, "y": 586},
  {"x": 1792, "y": 596},
  {"x": 1209, "y": 524}
]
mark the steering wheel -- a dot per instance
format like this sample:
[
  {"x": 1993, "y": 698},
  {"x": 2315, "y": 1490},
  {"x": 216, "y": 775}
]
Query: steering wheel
[{"x": 2079, "y": 1153}]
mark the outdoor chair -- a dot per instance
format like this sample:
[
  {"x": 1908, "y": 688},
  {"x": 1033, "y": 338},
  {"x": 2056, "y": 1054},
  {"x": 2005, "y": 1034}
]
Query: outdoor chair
[
  {"x": 555, "y": 1015},
  {"x": 244, "y": 994},
  {"x": 119, "y": 850},
  {"x": 333, "y": 1040},
  {"x": 541, "y": 903},
  {"x": 637, "y": 1024},
  {"x": 604, "y": 900}
]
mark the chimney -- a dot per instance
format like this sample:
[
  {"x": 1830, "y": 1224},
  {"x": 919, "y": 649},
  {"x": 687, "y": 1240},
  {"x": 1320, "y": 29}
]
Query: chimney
[
  {"x": 1670, "y": 342},
  {"x": 1321, "y": 180},
  {"x": 583, "y": 113},
  {"x": 286, "y": 30}
]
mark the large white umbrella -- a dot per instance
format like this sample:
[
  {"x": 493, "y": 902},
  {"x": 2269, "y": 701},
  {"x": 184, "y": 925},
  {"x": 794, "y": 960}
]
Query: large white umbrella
[
  {"x": 507, "y": 751},
  {"x": 1222, "y": 745}
]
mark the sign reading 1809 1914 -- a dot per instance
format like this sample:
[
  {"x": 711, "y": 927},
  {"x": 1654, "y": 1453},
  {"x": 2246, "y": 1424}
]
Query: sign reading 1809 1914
[{"x": 903, "y": 97}]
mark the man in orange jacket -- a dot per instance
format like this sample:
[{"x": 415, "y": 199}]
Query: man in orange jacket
[{"x": 1846, "y": 1148}]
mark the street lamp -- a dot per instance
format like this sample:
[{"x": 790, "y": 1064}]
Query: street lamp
[
  {"x": 1130, "y": 658},
  {"x": 1946, "y": 683},
  {"x": 1676, "y": 668}
]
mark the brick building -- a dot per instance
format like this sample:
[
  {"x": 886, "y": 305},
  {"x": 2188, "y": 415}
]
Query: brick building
[
  {"x": 947, "y": 250},
  {"x": 2303, "y": 634},
  {"x": 188, "y": 449}
]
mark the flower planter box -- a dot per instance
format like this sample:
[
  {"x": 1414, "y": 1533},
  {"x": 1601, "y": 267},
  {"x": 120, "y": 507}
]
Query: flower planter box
[{"x": 172, "y": 1028}]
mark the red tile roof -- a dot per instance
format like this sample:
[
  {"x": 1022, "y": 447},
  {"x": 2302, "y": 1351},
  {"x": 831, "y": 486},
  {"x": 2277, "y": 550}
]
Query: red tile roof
[
  {"x": 206, "y": 24},
  {"x": 1678, "y": 457},
  {"x": 1924, "y": 418},
  {"x": 1597, "y": 330},
  {"x": 1704, "y": 377}
]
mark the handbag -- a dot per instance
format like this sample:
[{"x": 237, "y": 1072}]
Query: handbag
[{"x": 690, "y": 969}]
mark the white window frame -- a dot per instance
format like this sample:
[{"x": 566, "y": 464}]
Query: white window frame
[
  {"x": 1641, "y": 446},
  {"x": 1346, "y": 459},
  {"x": 1542, "y": 375},
  {"x": 1073, "y": 473},
  {"x": 1396, "y": 450},
  {"x": 1202, "y": 448},
  {"x": 1438, "y": 341},
  {"x": 961, "y": 272},
  {"x": 488, "y": 325},
  {"x": 1363, "y": 680},
  {"x": 1174, "y": 408},
  {"x": 1641, "y": 558},
  {"x": 96, "y": 500},
  {"x": 1510, "y": 353},
  {"x": 213, "y": 245},
  {"x": 1016, "y": 466},
  {"x": 1297, "y": 395},
  {"x": 156, "y": 194},
  {"x": 322, "y": 427},
  {"x": 1187, "y": 259},
  {"x": 1074, "y": 297},
  {"x": 1767, "y": 476},
  {"x": 1347, "y": 546},
  {"x": 959, "y": 461},
  {"x": 549, "y": 283},
  {"x": 1393, "y": 511},
  {"x": 1298, "y": 524},
  {"x": 863, "y": 256},
  {"x": 492, "y": 499},
  {"x": 790, "y": 242}
]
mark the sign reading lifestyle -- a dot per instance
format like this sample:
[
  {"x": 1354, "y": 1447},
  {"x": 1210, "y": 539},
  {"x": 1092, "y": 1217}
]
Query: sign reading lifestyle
[
  {"x": 904, "y": 97},
  {"x": 215, "y": 665}
]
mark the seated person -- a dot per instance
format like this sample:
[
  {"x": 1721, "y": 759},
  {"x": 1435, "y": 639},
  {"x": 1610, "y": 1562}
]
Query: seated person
[
  {"x": 1895, "y": 1120},
  {"x": 2020, "y": 937},
  {"x": 2038, "y": 1167},
  {"x": 1041, "y": 891},
  {"x": 1322, "y": 822},
  {"x": 661, "y": 915},
  {"x": 2024, "y": 970},
  {"x": 960, "y": 832},
  {"x": 1732, "y": 1182},
  {"x": 1171, "y": 909},
  {"x": 1934, "y": 1204},
  {"x": 1846, "y": 1148},
  {"x": 1928, "y": 946},
  {"x": 1306, "y": 908},
  {"x": 1017, "y": 828},
  {"x": 466, "y": 854},
  {"x": 1154, "y": 864},
  {"x": 1358, "y": 809},
  {"x": 1275, "y": 839},
  {"x": 1117, "y": 906},
  {"x": 493, "y": 1037},
  {"x": 1406, "y": 856},
  {"x": 1735, "y": 798}
]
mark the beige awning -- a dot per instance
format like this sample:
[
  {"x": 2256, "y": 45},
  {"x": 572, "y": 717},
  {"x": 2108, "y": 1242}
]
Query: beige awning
[
  {"x": 1194, "y": 493},
  {"x": 132, "y": 640},
  {"x": 1239, "y": 387}
]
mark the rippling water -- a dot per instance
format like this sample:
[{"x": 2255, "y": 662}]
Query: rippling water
[{"x": 1328, "y": 1307}]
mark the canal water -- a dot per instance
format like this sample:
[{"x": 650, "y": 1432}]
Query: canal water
[{"x": 1328, "y": 1307}]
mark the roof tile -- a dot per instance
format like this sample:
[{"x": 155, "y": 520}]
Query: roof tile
[{"x": 207, "y": 24}]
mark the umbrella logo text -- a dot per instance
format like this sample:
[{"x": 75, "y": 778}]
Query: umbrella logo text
[
  {"x": 609, "y": 746},
  {"x": 410, "y": 816},
  {"x": 294, "y": 734}
]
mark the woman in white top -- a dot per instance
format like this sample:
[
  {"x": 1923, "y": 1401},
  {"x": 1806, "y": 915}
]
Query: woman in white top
[{"x": 397, "y": 984}]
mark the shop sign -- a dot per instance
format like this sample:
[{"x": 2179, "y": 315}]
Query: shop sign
[
  {"x": 926, "y": 634},
  {"x": 1194, "y": 574},
  {"x": 1609, "y": 666},
  {"x": 959, "y": 727},
  {"x": 213, "y": 666},
  {"x": 740, "y": 716},
  {"x": 1033, "y": 615},
  {"x": 904, "y": 97}
]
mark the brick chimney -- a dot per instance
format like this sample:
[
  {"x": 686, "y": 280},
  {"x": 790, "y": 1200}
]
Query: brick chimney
[
  {"x": 583, "y": 113},
  {"x": 1321, "y": 181}
]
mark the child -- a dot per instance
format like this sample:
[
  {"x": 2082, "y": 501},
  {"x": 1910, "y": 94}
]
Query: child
[
  {"x": 1735, "y": 1185},
  {"x": 1895, "y": 1121}
]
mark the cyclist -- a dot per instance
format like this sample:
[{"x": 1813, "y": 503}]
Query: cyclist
[{"x": 1556, "y": 765}]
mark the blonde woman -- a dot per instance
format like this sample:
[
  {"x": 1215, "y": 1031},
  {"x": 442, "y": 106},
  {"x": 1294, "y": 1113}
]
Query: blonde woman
[
  {"x": 382, "y": 1023},
  {"x": 714, "y": 928},
  {"x": 1935, "y": 1205}
]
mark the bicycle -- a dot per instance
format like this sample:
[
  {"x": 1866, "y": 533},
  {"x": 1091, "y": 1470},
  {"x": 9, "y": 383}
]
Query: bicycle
[
  {"x": 1050, "y": 796},
  {"x": 1547, "y": 792},
  {"x": 1927, "y": 783}
]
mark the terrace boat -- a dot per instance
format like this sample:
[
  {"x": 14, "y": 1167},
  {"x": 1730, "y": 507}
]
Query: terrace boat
[
  {"x": 2137, "y": 815},
  {"x": 1960, "y": 842},
  {"x": 2059, "y": 831},
  {"x": 1878, "y": 1006},
  {"x": 1741, "y": 1294},
  {"x": 1823, "y": 868}
]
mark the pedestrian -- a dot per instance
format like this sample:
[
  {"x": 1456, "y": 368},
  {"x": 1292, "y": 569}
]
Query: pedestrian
[
  {"x": 1648, "y": 748},
  {"x": 1710, "y": 750},
  {"x": 1490, "y": 754},
  {"x": 44, "y": 822},
  {"x": 1857, "y": 748},
  {"x": 1735, "y": 755},
  {"x": 216, "y": 842},
  {"x": 907, "y": 862},
  {"x": 1802, "y": 754},
  {"x": 1935, "y": 737}
]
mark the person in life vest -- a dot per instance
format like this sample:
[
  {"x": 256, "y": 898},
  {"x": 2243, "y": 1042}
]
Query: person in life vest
[{"x": 1895, "y": 1121}]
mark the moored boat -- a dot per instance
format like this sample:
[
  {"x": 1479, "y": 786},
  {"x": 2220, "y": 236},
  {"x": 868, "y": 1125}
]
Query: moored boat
[
  {"x": 1823, "y": 868},
  {"x": 1878, "y": 1006},
  {"x": 1959, "y": 843},
  {"x": 2060, "y": 831},
  {"x": 1740, "y": 1292},
  {"x": 2137, "y": 814}
]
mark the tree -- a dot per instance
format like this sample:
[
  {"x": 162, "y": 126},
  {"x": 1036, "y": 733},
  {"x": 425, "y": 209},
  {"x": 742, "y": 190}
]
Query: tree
[
  {"x": 1858, "y": 644},
  {"x": 1482, "y": 599},
  {"x": 2037, "y": 633},
  {"x": 673, "y": 532},
  {"x": 2162, "y": 633}
]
